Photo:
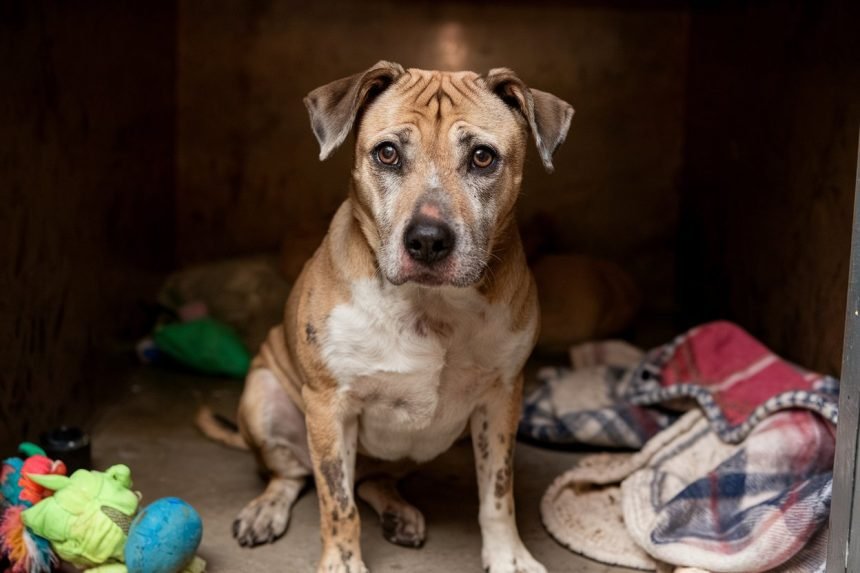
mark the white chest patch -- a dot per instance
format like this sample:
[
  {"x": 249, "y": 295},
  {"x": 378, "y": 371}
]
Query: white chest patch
[{"x": 412, "y": 363}]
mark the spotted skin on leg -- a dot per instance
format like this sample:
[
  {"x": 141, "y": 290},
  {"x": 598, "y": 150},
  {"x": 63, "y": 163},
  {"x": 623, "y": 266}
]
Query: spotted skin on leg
[
  {"x": 333, "y": 444},
  {"x": 493, "y": 427}
]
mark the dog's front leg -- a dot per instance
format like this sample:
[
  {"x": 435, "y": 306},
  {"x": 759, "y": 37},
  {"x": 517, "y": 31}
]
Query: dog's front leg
[
  {"x": 332, "y": 436},
  {"x": 494, "y": 425}
]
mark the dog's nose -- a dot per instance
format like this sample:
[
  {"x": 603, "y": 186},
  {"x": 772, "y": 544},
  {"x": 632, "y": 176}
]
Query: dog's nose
[{"x": 428, "y": 240}]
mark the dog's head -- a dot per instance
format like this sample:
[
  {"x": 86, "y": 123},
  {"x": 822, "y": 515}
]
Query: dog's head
[{"x": 438, "y": 162}]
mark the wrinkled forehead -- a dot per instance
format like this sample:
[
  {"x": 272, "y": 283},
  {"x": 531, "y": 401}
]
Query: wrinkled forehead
[{"x": 441, "y": 103}]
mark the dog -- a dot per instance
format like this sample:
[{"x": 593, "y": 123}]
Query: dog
[{"x": 410, "y": 325}]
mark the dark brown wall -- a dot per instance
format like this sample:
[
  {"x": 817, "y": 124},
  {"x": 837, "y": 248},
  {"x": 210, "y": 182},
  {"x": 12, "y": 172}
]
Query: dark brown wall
[
  {"x": 771, "y": 149},
  {"x": 86, "y": 177},
  {"x": 104, "y": 107},
  {"x": 248, "y": 168}
]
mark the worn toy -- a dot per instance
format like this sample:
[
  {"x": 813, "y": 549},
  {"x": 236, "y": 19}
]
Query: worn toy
[
  {"x": 92, "y": 522},
  {"x": 162, "y": 537}
]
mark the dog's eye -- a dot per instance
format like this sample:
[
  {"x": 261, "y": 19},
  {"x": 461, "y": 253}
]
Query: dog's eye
[
  {"x": 483, "y": 157},
  {"x": 387, "y": 154}
]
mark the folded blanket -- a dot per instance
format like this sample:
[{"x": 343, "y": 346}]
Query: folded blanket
[
  {"x": 734, "y": 378},
  {"x": 740, "y": 484}
]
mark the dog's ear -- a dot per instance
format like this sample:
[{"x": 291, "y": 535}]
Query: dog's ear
[
  {"x": 333, "y": 107},
  {"x": 548, "y": 116}
]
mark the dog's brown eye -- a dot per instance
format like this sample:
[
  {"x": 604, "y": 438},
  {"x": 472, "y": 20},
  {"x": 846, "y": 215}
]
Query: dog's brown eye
[
  {"x": 387, "y": 154},
  {"x": 483, "y": 157}
]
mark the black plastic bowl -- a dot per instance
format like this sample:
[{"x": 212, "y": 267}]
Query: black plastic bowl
[{"x": 71, "y": 445}]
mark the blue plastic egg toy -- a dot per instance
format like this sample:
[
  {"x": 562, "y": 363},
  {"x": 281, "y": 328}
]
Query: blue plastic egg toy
[{"x": 163, "y": 538}]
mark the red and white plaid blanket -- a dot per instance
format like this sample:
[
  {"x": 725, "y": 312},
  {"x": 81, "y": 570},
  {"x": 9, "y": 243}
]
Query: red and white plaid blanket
[{"x": 735, "y": 379}]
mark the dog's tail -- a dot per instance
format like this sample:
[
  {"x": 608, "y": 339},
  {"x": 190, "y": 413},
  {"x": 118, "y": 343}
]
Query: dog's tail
[{"x": 219, "y": 429}]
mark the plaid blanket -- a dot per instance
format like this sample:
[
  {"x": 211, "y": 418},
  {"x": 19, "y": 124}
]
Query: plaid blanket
[
  {"x": 740, "y": 483},
  {"x": 614, "y": 397},
  {"x": 588, "y": 404},
  {"x": 734, "y": 378}
]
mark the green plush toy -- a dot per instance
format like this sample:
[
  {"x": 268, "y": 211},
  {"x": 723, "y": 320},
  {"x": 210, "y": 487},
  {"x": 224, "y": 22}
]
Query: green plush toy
[{"x": 88, "y": 517}]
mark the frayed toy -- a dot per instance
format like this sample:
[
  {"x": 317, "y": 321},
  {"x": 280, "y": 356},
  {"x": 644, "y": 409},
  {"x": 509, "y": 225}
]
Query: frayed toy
[
  {"x": 25, "y": 551},
  {"x": 92, "y": 522}
]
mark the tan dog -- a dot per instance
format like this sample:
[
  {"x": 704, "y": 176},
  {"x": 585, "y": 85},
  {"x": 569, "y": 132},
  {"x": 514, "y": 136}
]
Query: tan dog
[{"x": 411, "y": 323}]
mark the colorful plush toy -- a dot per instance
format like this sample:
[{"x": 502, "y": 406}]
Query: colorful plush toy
[
  {"x": 25, "y": 551},
  {"x": 92, "y": 522}
]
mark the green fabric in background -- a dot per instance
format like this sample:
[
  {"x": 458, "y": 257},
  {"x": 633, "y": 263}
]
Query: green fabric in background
[{"x": 205, "y": 345}]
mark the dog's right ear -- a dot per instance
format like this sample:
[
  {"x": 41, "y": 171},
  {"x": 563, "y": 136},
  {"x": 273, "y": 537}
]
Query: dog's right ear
[{"x": 334, "y": 107}]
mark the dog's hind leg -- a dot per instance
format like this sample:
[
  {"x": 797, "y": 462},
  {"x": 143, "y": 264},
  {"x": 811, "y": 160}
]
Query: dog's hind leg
[
  {"x": 402, "y": 523},
  {"x": 274, "y": 428}
]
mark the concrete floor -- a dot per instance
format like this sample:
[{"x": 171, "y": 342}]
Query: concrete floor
[{"x": 150, "y": 429}]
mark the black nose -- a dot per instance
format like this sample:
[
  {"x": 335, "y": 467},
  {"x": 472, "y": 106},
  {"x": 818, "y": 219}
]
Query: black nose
[{"x": 428, "y": 240}]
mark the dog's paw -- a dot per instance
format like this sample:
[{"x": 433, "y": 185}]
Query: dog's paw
[
  {"x": 341, "y": 560},
  {"x": 404, "y": 526},
  {"x": 262, "y": 521},
  {"x": 511, "y": 560}
]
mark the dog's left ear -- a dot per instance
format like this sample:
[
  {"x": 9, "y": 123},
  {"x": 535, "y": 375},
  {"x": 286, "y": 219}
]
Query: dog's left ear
[
  {"x": 334, "y": 107},
  {"x": 548, "y": 116}
]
